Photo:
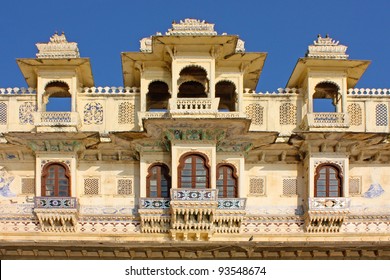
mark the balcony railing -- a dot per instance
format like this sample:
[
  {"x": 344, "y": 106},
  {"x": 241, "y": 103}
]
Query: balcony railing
[
  {"x": 193, "y": 105},
  {"x": 231, "y": 203},
  {"x": 329, "y": 203},
  {"x": 56, "y": 119},
  {"x": 194, "y": 194},
  {"x": 323, "y": 120},
  {"x": 51, "y": 202},
  {"x": 154, "y": 203}
]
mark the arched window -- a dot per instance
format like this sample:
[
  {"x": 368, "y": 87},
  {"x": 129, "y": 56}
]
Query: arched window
[
  {"x": 56, "y": 180},
  {"x": 226, "y": 91},
  {"x": 157, "y": 96},
  {"x": 227, "y": 181},
  {"x": 158, "y": 181},
  {"x": 193, "y": 83},
  {"x": 326, "y": 97},
  {"x": 58, "y": 97},
  {"x": 193, "y": 171},
  {"x": 327, "y": 181}
]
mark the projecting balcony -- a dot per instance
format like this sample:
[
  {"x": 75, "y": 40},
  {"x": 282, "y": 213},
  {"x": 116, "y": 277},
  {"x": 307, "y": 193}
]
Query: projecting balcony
[
  {"x": 326, "y": 214},
  {"x": 56, "y": 214},
  {"x": 325, "y": 121},
  {"x": 192, "y": 214},
  {"x": 56, "y": 121}
]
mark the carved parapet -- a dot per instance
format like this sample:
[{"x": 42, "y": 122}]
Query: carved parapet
[
  {"x": 52, "y": 121},
  {"x": 229, "y": 215},
  {"x": 326, "y": 214},
  {"x": 57, "y": 214},
  {"x": 186, "y": 107},
  {"x": 154, "y": 214},
  {"x": 320, "y": 121}
]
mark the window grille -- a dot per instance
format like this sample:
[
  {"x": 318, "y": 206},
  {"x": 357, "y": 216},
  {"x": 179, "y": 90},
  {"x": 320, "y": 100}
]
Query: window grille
[
  {"x": 381, "y": 115},
  {"x": 256, "y": 186},
  {"x": 3, "y": 113},
  {"x": 125, "y": 186},
  {"x": 355, "y": 114},
  {"x": 91, "y": 186},
  {"x": 255, "y": 112},
  {"x": 289, "y": 186},
  {"x": 28, "y": 185},
  {"x": 288, "y": 114},
  {"x": 126, "y": 113}
]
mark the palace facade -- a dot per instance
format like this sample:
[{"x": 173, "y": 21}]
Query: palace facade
[{"x": 187, "y": 160}]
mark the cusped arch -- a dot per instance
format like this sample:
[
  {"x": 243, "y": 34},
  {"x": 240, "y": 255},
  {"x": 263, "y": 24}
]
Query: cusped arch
[
  {"x": 326, "y": 97},
  {"x": 191, "y": 76},
  {"x": 157, "y": 96},
  {"x": 194, "y": 171},
  {"x": 158, "y": 180},
  {"x": 56, "y": 180},
  {"x": 328, "y": 181},
  {"x": 57, "y": 88},
  {"x": 226, "y": 91},
  {"x": 227, "y": 180}
]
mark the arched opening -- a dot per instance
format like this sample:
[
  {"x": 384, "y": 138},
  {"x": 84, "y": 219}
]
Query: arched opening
[
  {"x": 226, "y": 91},
  {"x": 227, "y": 181},
  {"x": 57, "y": 97},
  {"x": 193, "y": 83},
  {"x": 158, "y": 181},
  {"x": 328, "y": 181},
  {"x": 193, "y": 171},
  {"x": 157, "y": 96},
  {"x": 55, "y": 180},
  {"x": 326, "y": 97}
]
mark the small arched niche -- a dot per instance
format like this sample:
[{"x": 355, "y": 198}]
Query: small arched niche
[
  {"x": 193, "y": 82},
  {"x": 57, "y": 97},
  {"x": 226, "y": 91},
  {"x": 157, "y": 96},
  {"x": 326, "y": 97}
]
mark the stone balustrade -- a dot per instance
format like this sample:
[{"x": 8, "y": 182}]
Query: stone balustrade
[
  {"x": 51, "y": 202},
  {"x": 280, "y": 91},
  {"x": 193, "y": 105}
]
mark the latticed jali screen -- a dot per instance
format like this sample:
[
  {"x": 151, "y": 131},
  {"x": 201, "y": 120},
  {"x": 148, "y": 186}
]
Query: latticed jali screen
[
  {"x": 126, "y": 113},
  {"x": 354, "y": 186},
  {"x": 381, "y": 115},
  {"x": 288, "y": 114},
  {"x": 125, "y": 186},
  {"x": 255, "y": 112},
  {"x": 3, "y": 113},
  {"x": 355, "y": 114},
  {"x": 28, "y": 185},
  {"x": 91, "y": 186},
  {"x": 256, "y": 186},
  {"x": 290, "y": 186}
]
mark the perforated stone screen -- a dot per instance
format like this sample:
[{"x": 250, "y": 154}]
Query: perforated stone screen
[
  {"x": 256, "y": 186},
  {"x": 381, "y": 115},
  {"x": 126, "y": 113},
  {"x": 289, "y": 186},
  {"x": 28, "y": 186},
  {"x": 125, "y": 186},
  {"x": 355, "y": 114},
  {"x": 3, "y": 113},
  {"x": 354, "y": 186},
  {"x": 91, "y": 186},
  {"x": 288, "y": 114},
  {"x": 255, "y": 112}
]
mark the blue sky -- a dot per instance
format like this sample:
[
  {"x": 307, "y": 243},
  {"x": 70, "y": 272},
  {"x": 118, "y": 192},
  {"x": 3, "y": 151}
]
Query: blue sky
[{"x": 283, "y": 29}]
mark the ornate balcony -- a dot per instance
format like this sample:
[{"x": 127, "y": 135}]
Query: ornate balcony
[
  {"x": 320, "y": 121},
  {"x": 326, "y": 214},
  {"x": 187, "y": 107},
  {"x": 154, "y": 214},
  {"x": 56, "y": 214},
  {"x": 51, "y": 121}
]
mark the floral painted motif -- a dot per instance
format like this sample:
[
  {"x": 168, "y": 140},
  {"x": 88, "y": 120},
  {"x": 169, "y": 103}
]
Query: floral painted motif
[
  {"x": 26, "y": 111},
  {"x": 93, "y": 113}
]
